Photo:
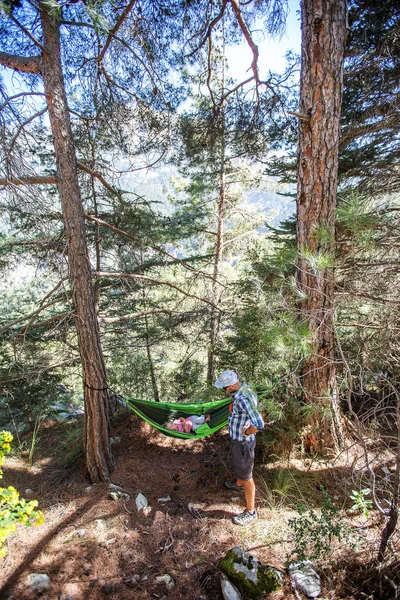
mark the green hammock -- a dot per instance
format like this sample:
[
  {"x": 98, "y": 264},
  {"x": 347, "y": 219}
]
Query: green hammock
[{"x": 157, "y": 413}]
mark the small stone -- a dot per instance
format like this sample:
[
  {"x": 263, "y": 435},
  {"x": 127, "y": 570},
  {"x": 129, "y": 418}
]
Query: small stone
[
  {"x": 141, "y": 502},
  {"x": 115, "y": 440},
  {"x": 114, "y": 487},
  {"x": 110, "y": 542},
  {"x": 119, "y": 496},
  {"x": 229, "y": 591},
  {"x": 166, "y": 499},
  {"x": 38, "y": 582},
  {"x": 88, "y": 489},
  {"x": 71, "y": 591},
  {"x": 166, "y": 580},
  {"x": 305, "y": 578},
  {"x": 81, "y": 532},
  {"x": 28, "y": 492},
  {"x": 133, "y": 581}
]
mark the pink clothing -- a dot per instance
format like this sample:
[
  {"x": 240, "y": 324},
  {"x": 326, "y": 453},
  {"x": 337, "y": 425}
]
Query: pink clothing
[{"x": 180, "y": 427}]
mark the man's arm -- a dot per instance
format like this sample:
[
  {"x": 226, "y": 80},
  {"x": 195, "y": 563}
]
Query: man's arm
[
  {"x": 250, "y": 430},
  {"x": 256, "y": 420}
]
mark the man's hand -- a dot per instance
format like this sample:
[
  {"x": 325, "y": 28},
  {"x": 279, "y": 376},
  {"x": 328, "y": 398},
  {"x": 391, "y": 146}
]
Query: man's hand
[{"x": 249, "y": 430}]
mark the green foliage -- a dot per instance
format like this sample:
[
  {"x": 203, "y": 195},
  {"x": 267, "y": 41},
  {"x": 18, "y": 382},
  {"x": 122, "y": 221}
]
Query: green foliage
[
  {"x": 323, "y": 236},
  {"x": 8, "y": 6},
  {"x": 13, "y": 509},
  {"x": 71, "y": 444},
  {"x": 285, "y": 487},
  {"x": 129, "y": 371},
  {"x": 318, "y": 261},
  {"x": 355, "y": 217},
  {"x": 99, "y": 22},
  {"x": 53, "y": 7},
  {"x": 186, "y": 379},
  {"x": 315, "y": 534},
  {"x": 27, "y": 393},
  {"x": 361, "y": 502},
  {"x": 40, "y": 418}
]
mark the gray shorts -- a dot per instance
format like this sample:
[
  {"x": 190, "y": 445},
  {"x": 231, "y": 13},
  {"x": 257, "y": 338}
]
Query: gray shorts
[{"x": 243, "y": 458}]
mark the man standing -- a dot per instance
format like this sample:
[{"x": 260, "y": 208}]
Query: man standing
[{"x": 244, "y": 422}]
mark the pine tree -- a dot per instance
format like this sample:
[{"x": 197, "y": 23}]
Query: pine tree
[{"x": 323, "y": 38}]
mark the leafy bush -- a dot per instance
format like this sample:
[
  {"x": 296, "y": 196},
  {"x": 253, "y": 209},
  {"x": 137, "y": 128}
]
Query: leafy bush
[
  {"x": 13, "y": 509},
  {"x": 314, "y": 534},
  {"x": 360, "y": 502}
]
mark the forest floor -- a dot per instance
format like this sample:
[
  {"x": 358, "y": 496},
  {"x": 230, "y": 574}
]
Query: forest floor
[{"x": 93, "y": 547}]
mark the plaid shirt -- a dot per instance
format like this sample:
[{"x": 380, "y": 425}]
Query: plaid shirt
[{"x": 244, "y": 413}]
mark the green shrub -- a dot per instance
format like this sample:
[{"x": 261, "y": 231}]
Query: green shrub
[
  {"x": 314, "y": 534},
  {"x": 13, "y": 509}
]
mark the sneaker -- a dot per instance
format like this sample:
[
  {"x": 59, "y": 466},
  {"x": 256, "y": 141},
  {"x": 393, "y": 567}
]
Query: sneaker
[
  {"x": 244, "y": 518},
  {"x": 232, "y": 485}
]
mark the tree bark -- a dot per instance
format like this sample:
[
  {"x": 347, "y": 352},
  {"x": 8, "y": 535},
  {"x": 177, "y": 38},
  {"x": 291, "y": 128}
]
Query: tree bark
[
  {"x": 148, "y": 350},
  {"x": 323, "y": 41},
  {"x": 22, "y": 64},
  {"x": 99, "y": 458}
]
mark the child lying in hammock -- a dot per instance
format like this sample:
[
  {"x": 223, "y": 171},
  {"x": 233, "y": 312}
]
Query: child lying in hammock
[{"x": 188, "y": 425}]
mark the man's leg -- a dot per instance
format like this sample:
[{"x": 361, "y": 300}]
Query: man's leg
[{"x": 249, "y": 493}]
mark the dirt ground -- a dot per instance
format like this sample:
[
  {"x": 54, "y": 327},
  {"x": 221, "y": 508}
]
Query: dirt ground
[{"x": 94, "y": 547}]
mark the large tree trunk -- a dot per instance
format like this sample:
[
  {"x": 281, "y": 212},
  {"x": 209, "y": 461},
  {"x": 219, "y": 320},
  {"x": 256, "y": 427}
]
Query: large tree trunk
[
  {"x": 323, "y": 40},
  {"x": 97, "y": 445}
]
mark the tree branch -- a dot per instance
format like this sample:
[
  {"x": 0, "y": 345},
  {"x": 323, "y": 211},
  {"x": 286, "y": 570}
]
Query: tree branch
[
  {"x": 130, "y": 316},
  {"x": 49, "y": 320},
  {"x": 43, "y": 300},
  {"x": 155, "y": 248},
  {"x": 114, "y": 30},
  {"x": 21, "y": 127},
  {"x": 98, "y": 176},
  {"x": 387, "y": 301},
  {"x": 210, "y": 28},
  {"x": 153, "y": 280},
  {"x": 11, "y": 98},
  {"x": 388, "y": 122},
  {"x": 30, "y": 180},
  {"x": 28, "y": 33},
  {"x": 27, "y": 180},
  {"x": 247, "y": 35},
  {"x": 33, "y": 314},
  {"x": 23, "y": 64}
]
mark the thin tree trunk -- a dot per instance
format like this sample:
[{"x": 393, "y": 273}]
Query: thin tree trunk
[
  {"x": 219, "y": 114},
  {"x": 323, "y": 40},
  {"x": 97, "y": 446},
  {"x": 215, "y": 292},
  {"x": 149, "y": 355},
  {"x": 96, "y": 284},
  {"x": 391, "y": 524}
]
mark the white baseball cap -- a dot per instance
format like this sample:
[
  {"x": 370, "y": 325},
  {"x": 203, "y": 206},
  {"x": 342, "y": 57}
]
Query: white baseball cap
[{"x": 226, "y": 378}]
